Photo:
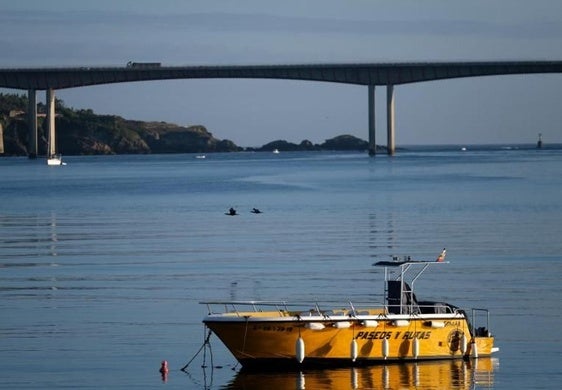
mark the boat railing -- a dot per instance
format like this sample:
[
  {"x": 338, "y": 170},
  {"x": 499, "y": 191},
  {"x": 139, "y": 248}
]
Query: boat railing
[
  {"x": 303, "y": 309},
  {"x": 233, "y": 306},
  {"x": 422, "y": 308},
  {"x": 481, "y": 322},
  {"x": 321, "y": 309}
]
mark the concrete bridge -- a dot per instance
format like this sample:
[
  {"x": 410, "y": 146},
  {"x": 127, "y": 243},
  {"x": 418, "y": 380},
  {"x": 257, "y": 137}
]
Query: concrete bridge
[{"x": 370, "y": 75}]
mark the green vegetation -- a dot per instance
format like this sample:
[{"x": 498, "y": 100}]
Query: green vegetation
[{"x": 82, "y": 132}]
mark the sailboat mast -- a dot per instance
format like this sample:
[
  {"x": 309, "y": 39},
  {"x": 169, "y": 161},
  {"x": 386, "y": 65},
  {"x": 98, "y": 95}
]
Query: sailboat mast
[{"x": 51, "y": 149}]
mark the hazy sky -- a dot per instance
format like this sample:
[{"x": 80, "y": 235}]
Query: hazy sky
[{"x": 501, "y": 109}]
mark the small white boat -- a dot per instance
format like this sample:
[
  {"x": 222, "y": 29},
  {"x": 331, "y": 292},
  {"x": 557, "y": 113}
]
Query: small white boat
[
  {"x": 275, "y": 151},
  {"x": 200, "y": 156},
  {"x": 55, "y": 159}
]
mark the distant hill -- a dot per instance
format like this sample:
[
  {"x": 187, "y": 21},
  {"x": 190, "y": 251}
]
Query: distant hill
[
  {"x": 82, "y": 132},
  {"x": 341, "y": 142}
]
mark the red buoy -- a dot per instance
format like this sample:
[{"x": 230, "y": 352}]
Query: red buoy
[{"x": 164, "y": 370}]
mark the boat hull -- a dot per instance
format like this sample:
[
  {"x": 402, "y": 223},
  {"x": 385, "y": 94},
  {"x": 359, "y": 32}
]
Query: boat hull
[
  {"x": 266, "y": 341},
  {"x": 55, "y": 160}
]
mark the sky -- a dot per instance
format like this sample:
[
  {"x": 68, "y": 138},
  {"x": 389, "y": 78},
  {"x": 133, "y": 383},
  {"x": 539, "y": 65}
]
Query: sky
[{"x": 485, "y": 110}]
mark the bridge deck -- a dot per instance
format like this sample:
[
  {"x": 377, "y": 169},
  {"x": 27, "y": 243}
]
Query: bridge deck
[{"x": 360, "y": 74}]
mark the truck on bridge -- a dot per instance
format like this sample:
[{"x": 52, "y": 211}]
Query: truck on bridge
[{"x": 143, "y": 65}]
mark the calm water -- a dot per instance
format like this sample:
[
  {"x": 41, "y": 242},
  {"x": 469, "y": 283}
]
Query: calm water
[{"x": 103, "y": 261}]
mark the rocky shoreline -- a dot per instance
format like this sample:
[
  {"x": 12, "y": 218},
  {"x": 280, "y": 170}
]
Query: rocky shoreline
[{"x": 82, "y": 132}]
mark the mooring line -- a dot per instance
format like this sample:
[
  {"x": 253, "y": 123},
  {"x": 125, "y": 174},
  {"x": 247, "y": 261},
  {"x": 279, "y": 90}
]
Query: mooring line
[{"x": 202, "y": 348}]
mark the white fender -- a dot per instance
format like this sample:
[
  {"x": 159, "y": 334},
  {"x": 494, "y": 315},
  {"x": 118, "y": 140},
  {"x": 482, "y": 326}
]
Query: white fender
[
  {"x": 437, "y": 324},
  {"x": 299, "y": 347},
  {"x": 353, "y": 350},
  {"x": 400, "y": 322},
  {"x": 463, "y": 344},
  {"x": 473, "y": 350},
  {"x": 385, "y": 348},
  {"x": 342, "y": 324},
  {"x": 416, "y": 348},
  {"x": 369, "y": 323},
  {"x": 314, "y": 325}
]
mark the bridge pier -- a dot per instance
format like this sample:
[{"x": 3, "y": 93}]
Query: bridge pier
[
  {"x": 32, "y": 123},
  {"x": 390, "y": 120},
  {"x": 50, "y": 102},
  {"x": 372, "y": 143}
]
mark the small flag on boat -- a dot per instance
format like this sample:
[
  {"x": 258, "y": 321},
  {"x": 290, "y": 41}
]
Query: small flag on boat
[{"x": 442, "y": 255}]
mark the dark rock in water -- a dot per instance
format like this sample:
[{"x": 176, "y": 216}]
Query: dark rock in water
[
  {"x": 345, "y": 142},
  {"x": 342, "y": 142}
]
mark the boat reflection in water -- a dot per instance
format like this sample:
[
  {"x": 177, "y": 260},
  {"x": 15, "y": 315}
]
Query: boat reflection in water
[{"x": 451, "y": 374}]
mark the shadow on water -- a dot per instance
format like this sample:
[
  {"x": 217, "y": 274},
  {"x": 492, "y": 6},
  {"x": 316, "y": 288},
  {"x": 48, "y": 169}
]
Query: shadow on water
[{"x": 457, "y": 374}]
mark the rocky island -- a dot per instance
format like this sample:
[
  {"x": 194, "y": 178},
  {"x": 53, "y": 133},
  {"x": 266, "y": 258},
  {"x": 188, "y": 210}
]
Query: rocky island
[{"x": 82, "y": 132}]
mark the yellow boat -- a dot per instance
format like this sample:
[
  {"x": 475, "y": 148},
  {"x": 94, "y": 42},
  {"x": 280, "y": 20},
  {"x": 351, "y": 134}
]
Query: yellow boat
[{"x": 262, "y": 334}]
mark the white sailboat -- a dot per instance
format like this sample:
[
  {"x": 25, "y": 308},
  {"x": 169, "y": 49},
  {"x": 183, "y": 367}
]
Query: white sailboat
[
  {"x": 55, "y": 160},
  {"x": 52, "y": 157}
]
